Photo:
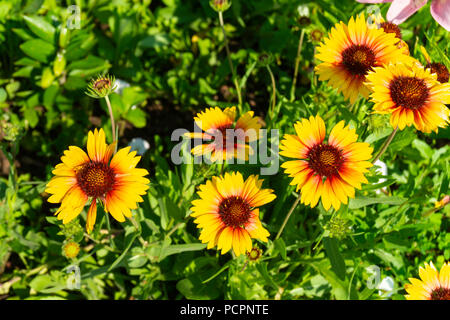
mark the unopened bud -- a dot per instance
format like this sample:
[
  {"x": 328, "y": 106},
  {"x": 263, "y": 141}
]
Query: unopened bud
[{"x": 220, "y": 5}]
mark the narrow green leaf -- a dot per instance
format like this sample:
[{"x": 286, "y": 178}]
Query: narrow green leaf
[
  {"x": 332, "y": 251},
  {"x": 366, "y": 201}
]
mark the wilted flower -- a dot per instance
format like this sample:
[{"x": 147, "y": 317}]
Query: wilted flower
[{"x": 444, "y": 201}]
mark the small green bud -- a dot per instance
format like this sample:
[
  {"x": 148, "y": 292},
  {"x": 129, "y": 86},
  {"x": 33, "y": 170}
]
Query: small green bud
[
  {"x": 47, "y": 78},
  {"x": 59, "y": 64},
  {"x": 64, "y": 36},
  {"x": 265, "y": 59},
  {"x": 10, "y": 131},
  {"x": 338, "y": 227}
]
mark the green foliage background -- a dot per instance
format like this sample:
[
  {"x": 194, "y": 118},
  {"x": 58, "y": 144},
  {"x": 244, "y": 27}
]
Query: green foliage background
[{"x": 172, "y": 55}]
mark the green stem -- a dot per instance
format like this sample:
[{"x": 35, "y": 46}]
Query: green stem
[
  {"x": 385, "y": 145},
  {"x": 230, "y": 62},
  {"x": 274, "y": 89},
  {"x": 113, "y": 125},
  {"x": 288, "y": 216},
  {"x": 108, "y": 226},
  {"x": 297, "y": 63}
]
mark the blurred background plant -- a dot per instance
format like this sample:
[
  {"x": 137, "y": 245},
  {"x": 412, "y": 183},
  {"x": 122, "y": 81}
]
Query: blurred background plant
[{"x": 170, "y": 61}]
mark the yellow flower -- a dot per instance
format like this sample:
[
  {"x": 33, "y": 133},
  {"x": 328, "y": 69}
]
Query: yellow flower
[
  {"x": 433, "y": 284},
  {"x": 351, "y": 51},
  {"x": 80, "y": 177},
  {"x": 228, "y": 214},
  {"x": 327, "y": 170},
  {"x": 228, "y": 138},
  {"x": 411, "y": 95}
]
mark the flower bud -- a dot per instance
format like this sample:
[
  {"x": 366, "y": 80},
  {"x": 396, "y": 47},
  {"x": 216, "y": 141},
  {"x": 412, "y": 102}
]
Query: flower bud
[
  {"x": 59, "y": 64},
  {"x": 47, "y": 78},
  {"x": 254, "y": 254},
  {"x": 101, "y": 87},
  {"x": 71, "y": 249},
  {"x": 220, "y": 5}
]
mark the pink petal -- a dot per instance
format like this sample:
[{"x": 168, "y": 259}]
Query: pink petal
[
  {"x": 400, "y": 10},
  {"x": 373, "y": 1},
  {"x": 440, "y": 10}
]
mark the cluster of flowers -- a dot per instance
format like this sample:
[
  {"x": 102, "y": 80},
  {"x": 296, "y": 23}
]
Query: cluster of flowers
[{"x": 356, "y": 60}]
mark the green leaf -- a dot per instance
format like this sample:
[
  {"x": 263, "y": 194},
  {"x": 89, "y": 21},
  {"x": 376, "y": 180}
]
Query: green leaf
[
  {"x": 366, "y": 201},
  {"x": 137, "y": 117},
  {"x": 178, "y": 248},
  {"x": 192, "y": 288},
  {"x": 156, "y": 41},
  {"x": 281, "y": 247},
  {"x": 262, "y": 268},
  {"x": 40, "y": 27},
  {"x": 3, "y": 95},
  {"x": 38, "y": 49},
  {"x": 332, "y": 251},
  {"x": 124, "y": 253}
]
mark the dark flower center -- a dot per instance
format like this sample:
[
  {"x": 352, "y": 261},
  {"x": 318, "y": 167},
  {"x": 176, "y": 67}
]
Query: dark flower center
[
  {"x": 325, "y": 160},
  {"x": 409, "y": 92},
  {"x": 440, "y": 294},
  {"x": 95, "y": 179},
  {"x": 389, "y": 27},
  {"x": 358, "y": 59},
  {"x": 226, "y": 137},
  {"x": 442, "y": 72},
  {"x": 254, "y": 254},
  {"x": 234, "y": 212},
  {"x": 102, "y": 84}
]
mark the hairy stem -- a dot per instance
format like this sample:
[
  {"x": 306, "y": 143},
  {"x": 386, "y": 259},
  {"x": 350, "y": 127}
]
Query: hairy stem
[
  {"x": 297, "y": 63},
  {"x": 288, "y": 216},
  {"x": 385, "y": 145},
  {"x": 230, "y": 62},
  {"x": 113, "y": 125},
  {"x": 274, "y": 89}
]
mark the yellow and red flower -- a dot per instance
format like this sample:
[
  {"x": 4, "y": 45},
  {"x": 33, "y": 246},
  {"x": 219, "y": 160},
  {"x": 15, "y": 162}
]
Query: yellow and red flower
[
  {"x": 329, "y": 171},
  {"x": 351, "y": 51},
  {"x": 228, "y": 214},
  {"x": 229, "y": 138},
  {"x": 411, "y": 95},
  {"x": 433, "y": 284},
  {"x": 118, "y": 184}
]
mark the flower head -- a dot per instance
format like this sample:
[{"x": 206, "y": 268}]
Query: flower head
[
  {"x": 228, "y": 139},
  {"x": 325, "y": 170},
  {"x": 71, "y": 249},
  {"x": 228, "y": 213},
  {"x": 254, "y": 254},
  {"x": 220, "y": 5},
  {"x": 351, "y": 51},
  {"x": 411, "y": 95},
  {"x": 101, "y": 87},
  {"x": 433, "y": 284},
  {"x": 117, "y": 184}
]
